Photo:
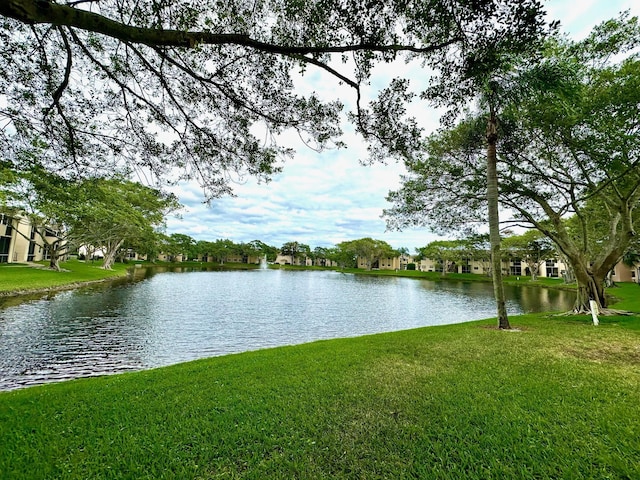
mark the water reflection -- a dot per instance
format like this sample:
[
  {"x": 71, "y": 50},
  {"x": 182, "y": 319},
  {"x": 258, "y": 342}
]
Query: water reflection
[{"x": 154, "y": 319}]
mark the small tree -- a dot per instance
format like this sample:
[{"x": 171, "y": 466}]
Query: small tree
[
  {"x": 367, "y": 250},
  {"x": 295, "y": 251},
  {"x": 181, "y": 244},
  {"x": 342, "y": 255},
  {"x": 446, "y": 252},
  {"x": 221, "y": 249},
  {"x": 532, "y": 247},
  {"x": 261, "y": 249},
  {"x": 116, "y": 211},
  {"x": 48, "y": 202},
  {"x": 204, "y": 249}
]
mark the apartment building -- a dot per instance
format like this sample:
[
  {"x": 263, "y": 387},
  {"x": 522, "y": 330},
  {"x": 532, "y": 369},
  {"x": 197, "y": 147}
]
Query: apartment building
[
  {"x": 625, "y": 273},
  {"x": 515, "y": 267},
  {"x": 18, "y": 240},
  {"x": 387, "y": 263}
]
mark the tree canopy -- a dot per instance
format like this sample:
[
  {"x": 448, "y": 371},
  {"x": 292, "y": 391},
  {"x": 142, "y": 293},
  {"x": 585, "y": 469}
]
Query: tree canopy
[
  {"x": 49, "y": 203},
  {"x": 368, "y": 251},
  {"x": 446, "y": 252},
  {"x": 104, "y": 214},
  {"x": 533, "y": 248},
  {"x": 116, "y": 211},
  {"x": 569, "y": 147},
  {"x": 202, "y": 90}
]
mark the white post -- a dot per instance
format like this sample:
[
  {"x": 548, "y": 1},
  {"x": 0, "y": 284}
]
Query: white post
[{"x": 594, "y": 311}]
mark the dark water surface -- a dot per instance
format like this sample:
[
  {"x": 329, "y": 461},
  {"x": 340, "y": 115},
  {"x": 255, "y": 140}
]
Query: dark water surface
[{"x": 166, "y": 318}]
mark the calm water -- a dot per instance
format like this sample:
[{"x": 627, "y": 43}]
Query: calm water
[{"x": 173, "y": 317}]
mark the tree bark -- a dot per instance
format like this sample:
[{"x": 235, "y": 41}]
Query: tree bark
[
  {"x": 534, "y": 271},
  {"x": 110, "y": 255},
  {"x": 54, "y": 260},
  {"x": 590, "y": 287},
  {"x": 494, "y": 221}
]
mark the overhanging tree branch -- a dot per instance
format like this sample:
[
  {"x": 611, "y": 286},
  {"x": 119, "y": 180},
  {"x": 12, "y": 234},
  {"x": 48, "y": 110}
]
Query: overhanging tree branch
[{"x": 43, "y": 11}]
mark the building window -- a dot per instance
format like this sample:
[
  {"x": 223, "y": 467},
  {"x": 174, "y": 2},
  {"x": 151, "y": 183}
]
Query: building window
[
  {"x": 515, "y": 268},
  {"x": 5, "y": 243},
  {"x": 551, "y": 268}
]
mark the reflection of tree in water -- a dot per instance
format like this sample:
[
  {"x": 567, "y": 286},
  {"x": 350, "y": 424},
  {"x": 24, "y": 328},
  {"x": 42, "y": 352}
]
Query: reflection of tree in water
[
  {"x": 530, "y": 299},
  {"x": 539, "y": 299}
]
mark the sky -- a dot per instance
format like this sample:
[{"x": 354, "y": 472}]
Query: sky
[{"x": 322, "y": 199}]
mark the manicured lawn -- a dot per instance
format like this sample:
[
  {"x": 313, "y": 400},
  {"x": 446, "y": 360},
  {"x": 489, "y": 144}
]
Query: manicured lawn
[
  {"x": 466, "y": 277},
  {"x": 626, "y": 296},
  {"x": 558, "y": 399},
  {"x": 21, "y": 277}
]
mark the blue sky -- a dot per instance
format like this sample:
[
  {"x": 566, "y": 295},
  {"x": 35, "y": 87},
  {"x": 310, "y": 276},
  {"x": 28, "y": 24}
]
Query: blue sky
[{"x": 325, "y": 198}]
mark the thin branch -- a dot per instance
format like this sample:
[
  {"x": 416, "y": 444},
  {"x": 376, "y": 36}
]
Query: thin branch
[
  {"x": 57, "y": 94},
  {"x": 229, "y": 93},
  {"x": 326, "y": 67}
]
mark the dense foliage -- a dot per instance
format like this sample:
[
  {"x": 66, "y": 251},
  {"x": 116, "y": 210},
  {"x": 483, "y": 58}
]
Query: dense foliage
[
  {"x": 570, "y": 146},
  {"x": 98, "y": 213},
  {"x": 203, "y": 90}
]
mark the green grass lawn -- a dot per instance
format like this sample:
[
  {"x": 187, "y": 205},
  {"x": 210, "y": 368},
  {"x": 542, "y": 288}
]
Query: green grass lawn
[
  {"x": 466, "y": 277},
  {"x": 559, "y": 398},
  {"x": 22, "y": 277}
]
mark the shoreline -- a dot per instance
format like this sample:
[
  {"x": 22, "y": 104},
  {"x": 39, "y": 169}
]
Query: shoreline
[
  {"x": 371, "y": 405},
  {"x": 128, "y": 268},
  {"x": 58, "y": 288}
]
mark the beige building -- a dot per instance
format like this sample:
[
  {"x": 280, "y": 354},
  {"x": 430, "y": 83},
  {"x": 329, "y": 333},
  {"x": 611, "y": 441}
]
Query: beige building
[
  {"x": 235, "y": 258},
  {"x": 298, "y": 260},
  {"x": 304, "y": 261},
  {"x": 165, "y": 257},
  {"x": 324, "y": 262},
  {"x": 515, "y": 267},
  {"x": 19, "y": 241},
  {"x": 387, "y": 263},
  {"x": 625, "y": 273}
]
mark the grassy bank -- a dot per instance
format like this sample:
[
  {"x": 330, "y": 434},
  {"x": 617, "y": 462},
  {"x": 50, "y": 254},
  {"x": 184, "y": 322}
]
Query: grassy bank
[
  {"x": 466, "y": 277},
  {"x": 17, "y": 278},
  {"x": 557, "y": 399},
  {"x": 20, "y": 278}
]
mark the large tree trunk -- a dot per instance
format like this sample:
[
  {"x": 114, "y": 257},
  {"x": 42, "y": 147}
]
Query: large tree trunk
[
  {"x": 590, "y": 287},
  {"x": 534, "y": 269},
  {"x": 569, "y": 275},
  {"x": 54, "y": 260},
  {"x": 53, "y": 249},
  {"x": 110, "y": 255},
  {"x": 494, "y": 221},
  {"x": 109, "y": 259}
]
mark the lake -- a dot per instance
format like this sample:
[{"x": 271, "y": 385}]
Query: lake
[{"x": 165, "y": 317}]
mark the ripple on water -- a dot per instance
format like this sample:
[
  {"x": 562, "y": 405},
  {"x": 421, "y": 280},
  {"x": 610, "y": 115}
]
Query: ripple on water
[{"x": 174, "y": 317}]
